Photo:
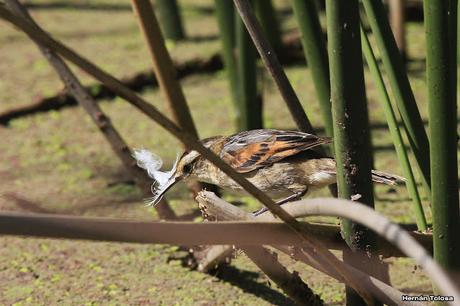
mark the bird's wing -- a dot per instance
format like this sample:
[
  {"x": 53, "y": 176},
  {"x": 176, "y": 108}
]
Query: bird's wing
[{"x": 253, "y": 149}]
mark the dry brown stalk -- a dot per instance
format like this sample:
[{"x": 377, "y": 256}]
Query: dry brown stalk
[
  {"x": 263, "y": 258},
  {"x": 358, "y": 212},
  {"x": 215, "y": 207},
  {"x": 163, "y": 66},
  {"x": 105, "y": 229},
  {"x": 165, "y": 72},
  {"x": 157, "y": 232}
]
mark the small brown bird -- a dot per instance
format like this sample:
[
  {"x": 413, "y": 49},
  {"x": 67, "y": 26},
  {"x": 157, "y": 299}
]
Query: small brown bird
[{"x": 283, "y": 164}]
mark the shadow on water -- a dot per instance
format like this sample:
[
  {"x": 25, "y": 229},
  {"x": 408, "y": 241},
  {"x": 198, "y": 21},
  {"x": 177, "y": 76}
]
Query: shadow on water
[
  {"x": 109, "y": 7},
  {"x": 66, "y": 5},
  {"x": 29, "y": 206},
  {"x": 201, "y": 38}
]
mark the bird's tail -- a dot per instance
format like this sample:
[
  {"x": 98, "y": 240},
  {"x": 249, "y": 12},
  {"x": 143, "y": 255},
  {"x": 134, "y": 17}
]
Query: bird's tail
[{"x": 387, "y": 178}]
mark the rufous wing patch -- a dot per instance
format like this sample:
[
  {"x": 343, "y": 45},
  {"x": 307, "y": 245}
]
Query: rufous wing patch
[
  {"x": 264, "y": 153},
  {"x": 250, "y": 156}
]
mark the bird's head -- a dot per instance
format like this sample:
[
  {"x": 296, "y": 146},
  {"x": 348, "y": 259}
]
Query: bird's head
[
  {"x": 164, "y": 180},
  {"x": 184, "y": 167}
]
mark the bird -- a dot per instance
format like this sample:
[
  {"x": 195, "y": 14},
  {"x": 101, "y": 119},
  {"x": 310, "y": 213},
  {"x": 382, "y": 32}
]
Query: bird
[{"x": 283, "y": 164}]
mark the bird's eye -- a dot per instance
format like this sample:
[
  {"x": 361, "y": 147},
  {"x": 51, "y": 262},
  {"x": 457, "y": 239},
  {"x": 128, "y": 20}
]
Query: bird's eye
[{"x": 187, "y": 169}]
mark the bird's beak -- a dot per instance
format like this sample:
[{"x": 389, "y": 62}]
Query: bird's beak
[{"x": 159, "y": 193}]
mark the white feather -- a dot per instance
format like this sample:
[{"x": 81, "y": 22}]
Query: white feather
[
  {"x": 148, "y": 161},
  {"x": 152, "y": 163}
]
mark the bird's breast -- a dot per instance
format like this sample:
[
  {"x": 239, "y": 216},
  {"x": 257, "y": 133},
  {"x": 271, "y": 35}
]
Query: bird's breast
[{"x": 278, "y": 180}]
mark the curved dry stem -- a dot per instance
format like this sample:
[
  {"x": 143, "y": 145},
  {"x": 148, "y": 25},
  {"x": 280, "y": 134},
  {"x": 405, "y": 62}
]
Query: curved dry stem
[
  {"x": 382, "y": 226},
  {"x": 216, "y": 207}
]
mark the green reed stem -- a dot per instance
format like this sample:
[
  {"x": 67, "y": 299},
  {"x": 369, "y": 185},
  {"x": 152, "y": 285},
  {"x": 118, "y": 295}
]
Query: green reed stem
[{"x": 395, "y": 132}]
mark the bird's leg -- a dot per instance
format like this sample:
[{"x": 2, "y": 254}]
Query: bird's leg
[
  {"x": 292, "y": 197},
  {"x": 259, "y": 211}
]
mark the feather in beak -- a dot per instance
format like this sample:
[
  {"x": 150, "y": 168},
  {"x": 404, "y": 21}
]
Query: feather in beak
[{"x": 163, "y": 180}]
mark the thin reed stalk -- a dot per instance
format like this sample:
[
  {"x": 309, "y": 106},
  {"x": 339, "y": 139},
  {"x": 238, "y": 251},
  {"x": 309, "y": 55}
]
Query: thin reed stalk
[
  {"x": 273, "y": 65},
  {"x": 314, "y": 48},
  {"x": 399, "y": 82},
  {"x": 394, "y": 132},
  {"x": 225, "y": 14},
  {"x": 249, "y": 102},
  {"x": 275, "y": 69}
]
